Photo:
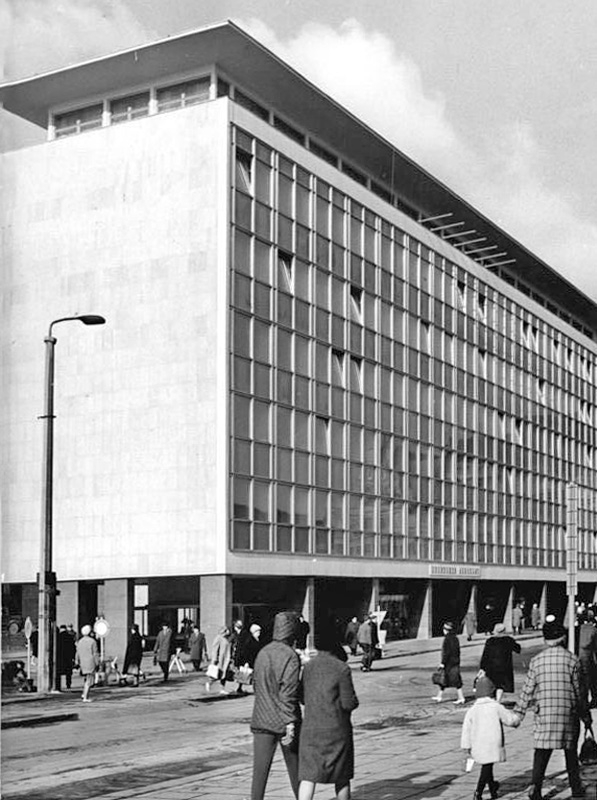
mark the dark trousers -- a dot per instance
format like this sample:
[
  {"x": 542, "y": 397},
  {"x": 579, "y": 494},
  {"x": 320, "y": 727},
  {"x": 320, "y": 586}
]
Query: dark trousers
[
  {"x": 541, "y": 760},
  {"x": 165, "y": 665},
  {"x": 485, "y": 778},
  {"x": 264, "y": 747},
  {"x": 368, "y": 653}
]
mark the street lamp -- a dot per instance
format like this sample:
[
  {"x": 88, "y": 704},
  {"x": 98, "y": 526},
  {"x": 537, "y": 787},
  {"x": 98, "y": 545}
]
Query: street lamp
[{"x": 47, "y": 578}]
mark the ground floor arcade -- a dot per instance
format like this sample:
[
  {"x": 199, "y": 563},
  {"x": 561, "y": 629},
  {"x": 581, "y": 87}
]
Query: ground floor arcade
[{"x": 414, "y": 607}]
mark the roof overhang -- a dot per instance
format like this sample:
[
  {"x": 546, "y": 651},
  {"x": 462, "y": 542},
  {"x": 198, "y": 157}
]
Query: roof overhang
[{"x": 245, "y": 61}]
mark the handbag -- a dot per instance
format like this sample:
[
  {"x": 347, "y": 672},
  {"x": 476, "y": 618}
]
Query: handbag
[
  {"x": 439, "y": 677},
  {"x": 212, "y": 671},
  {"x": 377, "y": 652},
  {"x": 588, "y": 749}
]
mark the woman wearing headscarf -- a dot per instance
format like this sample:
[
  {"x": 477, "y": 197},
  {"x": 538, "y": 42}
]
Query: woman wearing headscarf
[
  {"x": 451, "y": 665},
  {"x": 497, "y": 662},
  {"x": 326, "y": 752},
  {"x": 220, "y": 657}
]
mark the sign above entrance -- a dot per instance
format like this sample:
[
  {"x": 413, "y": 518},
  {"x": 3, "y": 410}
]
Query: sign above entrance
[{"x": 454, "y": 571}]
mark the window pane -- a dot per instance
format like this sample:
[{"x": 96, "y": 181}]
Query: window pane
[{"x": 261, "y": 501}]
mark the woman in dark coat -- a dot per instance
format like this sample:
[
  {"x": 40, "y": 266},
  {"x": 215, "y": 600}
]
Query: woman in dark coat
[
  {"x": 326, "y": 752},
  {"x": 134, "y": 653},
  {"x": 451, "y": 664},
  {"x": 496, "y": 660}
]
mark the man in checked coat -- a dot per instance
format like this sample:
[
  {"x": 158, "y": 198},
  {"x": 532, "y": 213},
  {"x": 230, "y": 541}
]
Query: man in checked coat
[{"x": 556, "y": 685}]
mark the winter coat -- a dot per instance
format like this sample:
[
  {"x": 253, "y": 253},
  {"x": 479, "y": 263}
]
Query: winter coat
[
  {"x": 351, "y": 633},
  {"x": 164, "y": 645},
  {"x": 197, "y": 646},
  {"x": 367, "y": 634},
  {"x": 451, "y": 660},
  {"x": 556, "y": 686},
  {"x": 483, "y": 732},
  {"x": 238, "y": 647},
  {"x": 276, "y": 679},
  {"x": 87, "y": 655},
  {"x": 252, "y": 649},
  {"x": 134, "y": 650},
  {"x": 326, "y": 753},
  {"x": 470, "y": 623},
  {"x": 65, "y": 652},
  {"x": 220, "y": 652},
  {"x": 587, "y": 643},
  {"x": 497, "y": 661}
]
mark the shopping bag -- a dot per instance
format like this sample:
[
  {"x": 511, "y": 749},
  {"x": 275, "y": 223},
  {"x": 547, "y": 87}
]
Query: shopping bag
[
  {"x": 439, "y": 677},
  {"x": 244, "y": 675},
  {"x": 588, "y": 749},
  {"x": 212, "y": 671},
  {"x": 377, "y": 652}
]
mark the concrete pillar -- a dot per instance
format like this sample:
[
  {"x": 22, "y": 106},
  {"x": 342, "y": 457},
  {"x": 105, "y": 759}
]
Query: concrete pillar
[
  {"x": 114, "y": 606},
  {"x": 309, "y": 609},
  {"x": 508, "y": 613},
  {"x": 67, "y": 604},
  {"x": 215, "y": 603},
  {"x": 543, "y": 603},
  {"x": 425, "y": 629},
  {"x": 374, "y": 598}
]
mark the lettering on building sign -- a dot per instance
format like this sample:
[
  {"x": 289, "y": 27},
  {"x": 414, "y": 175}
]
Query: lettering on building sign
[{"x": 454, "y": 571}]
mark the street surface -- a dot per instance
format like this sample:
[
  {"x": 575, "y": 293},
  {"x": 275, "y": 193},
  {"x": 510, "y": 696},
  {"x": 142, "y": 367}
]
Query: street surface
[{"x": 177, "y": 741}]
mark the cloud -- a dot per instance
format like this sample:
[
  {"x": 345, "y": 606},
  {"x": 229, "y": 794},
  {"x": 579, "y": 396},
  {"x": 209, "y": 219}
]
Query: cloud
[
  {"x": 41, "y": 35},
  {"x": 503, "y": 174}
]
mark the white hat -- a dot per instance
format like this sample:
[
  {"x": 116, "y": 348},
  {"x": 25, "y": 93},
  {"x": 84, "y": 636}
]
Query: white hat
[
  {"x": 86, "y": 630},
  {"x": 254, "y": 628}
]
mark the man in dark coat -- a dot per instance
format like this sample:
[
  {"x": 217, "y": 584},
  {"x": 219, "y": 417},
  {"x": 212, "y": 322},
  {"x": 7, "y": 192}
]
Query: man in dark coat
[
  {"x": 555, "y": 685},
  {"x": 276, "y": 711},
  {"x": 65, "y": 657},
  {"x": 497, "y": 661},
  {"x": 587, "y": 652},
  {"x": 238, "y": 648},
  {"x": 197, "y": 648},
  {"x": 163, "y": 649},
  {"x": 350, "y": 637},
  {"x": 303, "y": 629}
]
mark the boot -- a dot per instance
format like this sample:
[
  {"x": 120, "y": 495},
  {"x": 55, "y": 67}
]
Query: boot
[
  {"x": 493, "y": 789},
  {"x": 534, "y": 792}
]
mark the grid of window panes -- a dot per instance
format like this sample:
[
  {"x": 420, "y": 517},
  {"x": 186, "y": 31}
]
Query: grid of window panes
[{"x": 385, "y": 402}]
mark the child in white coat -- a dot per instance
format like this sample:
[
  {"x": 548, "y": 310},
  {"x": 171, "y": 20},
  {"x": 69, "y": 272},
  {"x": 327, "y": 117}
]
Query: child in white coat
[{"x": 483, "y": 734}]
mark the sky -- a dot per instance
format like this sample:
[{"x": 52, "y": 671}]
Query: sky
[{"x": 498, "y": 100}]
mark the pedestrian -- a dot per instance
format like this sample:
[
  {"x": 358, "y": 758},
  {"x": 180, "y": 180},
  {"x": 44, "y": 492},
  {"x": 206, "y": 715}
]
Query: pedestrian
[
  {"x": 326, "y": 751},
  {"x": 253, "y": 645},
  {"x": 483, "y": 734},
  {"x": 497, "y": 660},
  {"x": 470, "y": 624},
  {"x": 587, "y": 652},
  {"x": 451, "y": 665},
  {"x": 516, "y": 619},
  {"x": 276, "y": 711},
  {"x": 197, "y": 648},
  {"x": 555, "y": 685},
  {"x": 535, "y": 617},
  {"x": 238, "y": 647},
  {"x": 220, "y": 659},
  {"x": 303, "y": 629},
  {"x": 65, "y": 657},
  {"x": 351, "y": 635},
  {"x": 133, "y": 655},
  {"x": 368, "y": 640},
  {"x": 163, "y": 649},
  {"x": 87, "y": 660}
]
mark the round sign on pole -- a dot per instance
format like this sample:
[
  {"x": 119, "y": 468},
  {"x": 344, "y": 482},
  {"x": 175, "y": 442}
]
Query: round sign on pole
[
  {"x": 28, "y": 628},
  {"x": 101, "y": 628}
]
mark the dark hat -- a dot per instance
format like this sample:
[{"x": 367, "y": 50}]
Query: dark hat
[
  {"x": 484, "y": 687},
  {"x": 552, "y": 629}
]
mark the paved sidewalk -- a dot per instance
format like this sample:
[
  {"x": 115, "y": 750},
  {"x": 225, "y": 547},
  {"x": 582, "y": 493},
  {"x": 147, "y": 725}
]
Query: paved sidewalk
[{"x": 415, "y": 756}]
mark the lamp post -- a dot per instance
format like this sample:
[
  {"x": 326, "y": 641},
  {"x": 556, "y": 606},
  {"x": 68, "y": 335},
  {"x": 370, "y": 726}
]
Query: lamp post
[{"x": 47, "y": 578}]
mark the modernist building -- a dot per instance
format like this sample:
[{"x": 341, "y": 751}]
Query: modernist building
[{"x": 326, "y": 382}]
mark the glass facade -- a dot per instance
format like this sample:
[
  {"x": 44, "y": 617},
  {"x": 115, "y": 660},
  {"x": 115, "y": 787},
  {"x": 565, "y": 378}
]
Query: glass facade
[{"x": 385, "y": 402}]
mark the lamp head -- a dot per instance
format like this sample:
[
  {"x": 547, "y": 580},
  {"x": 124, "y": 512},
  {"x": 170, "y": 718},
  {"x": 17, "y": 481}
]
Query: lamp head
[{"x": 91, "y": 319}]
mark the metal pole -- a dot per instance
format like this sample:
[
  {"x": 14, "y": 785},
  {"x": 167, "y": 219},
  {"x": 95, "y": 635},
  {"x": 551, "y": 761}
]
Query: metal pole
[
  {"x": 47, "y": 583},
  {"x": 571, "y": 559}
]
